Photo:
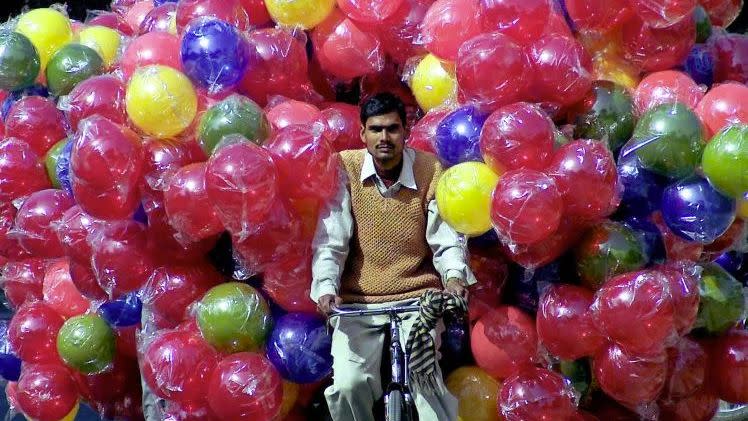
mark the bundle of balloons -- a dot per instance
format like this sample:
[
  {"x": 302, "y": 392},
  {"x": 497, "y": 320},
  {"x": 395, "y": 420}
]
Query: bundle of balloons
[{"x": 163, "y": 165}]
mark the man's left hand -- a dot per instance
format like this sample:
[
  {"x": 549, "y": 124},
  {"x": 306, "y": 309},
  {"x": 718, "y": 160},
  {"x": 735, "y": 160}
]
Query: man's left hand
[{"x": 457, "y": 286}]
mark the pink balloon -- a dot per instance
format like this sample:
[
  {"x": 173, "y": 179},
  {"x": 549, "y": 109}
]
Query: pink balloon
[
  {"x": 492, "y": 71},
  {"x": 344, "y": 50},
  {"x": 631, "y": 380},
  {"x": 563, "y": 70},
  {"x": 666, "y": 87},
  {"x": 343, "y": 126},
  {"x": 190, "y": 210},
  {"x": 369, "y": 11},
  {"x": 655, "y": 49},
  {"x": 151, "y": 48},
  {"x": 103, "y": 95},
  {"x": 723, "y": 105},
  {"x": 22, "y": 281},
  {"x": 292, "y": 112},
  {"x": 522, "y": 20},
  {"x": 36, "y": 121},
  {"x": 106, "y": 167},
  {"x": 137, "y": 13},
  {"x": 448, "y": 24},
  {"x": 37, "y": 219},
  {"x": 120, "y": 258}
]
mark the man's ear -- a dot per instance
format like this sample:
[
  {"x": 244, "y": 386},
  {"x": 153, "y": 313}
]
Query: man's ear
[{"x": 363, "y": 138}]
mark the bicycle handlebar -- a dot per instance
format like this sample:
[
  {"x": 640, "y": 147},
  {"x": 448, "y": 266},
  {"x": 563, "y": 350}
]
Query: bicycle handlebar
[{"x": 338, "y": 312}]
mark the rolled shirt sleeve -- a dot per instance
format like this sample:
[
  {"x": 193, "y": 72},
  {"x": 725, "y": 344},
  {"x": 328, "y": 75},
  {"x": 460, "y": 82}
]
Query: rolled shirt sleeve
[
  {"x": 330, "y": 244},
  {"x": 449, "y": 250}
]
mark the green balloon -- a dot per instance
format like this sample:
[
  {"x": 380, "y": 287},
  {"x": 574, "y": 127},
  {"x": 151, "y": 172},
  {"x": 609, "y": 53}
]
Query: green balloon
[
  {"x": 234, "y": 115},
  {"x": 725, "y": 160},
  {"x": 721, "y": 302},
  {"x": 703, "y": 24},
  {"x": 608, "y": 114},
  {"x": 19, "y": 61},
  {"x": 607, "y": 250},
  {"x": 669, "y": 140},
  {"x": 50, "y": 161},
  {"x": 86, "y": 343},
  {"x": 71, "y": 65},
  {"x": 233, "y": 317}
]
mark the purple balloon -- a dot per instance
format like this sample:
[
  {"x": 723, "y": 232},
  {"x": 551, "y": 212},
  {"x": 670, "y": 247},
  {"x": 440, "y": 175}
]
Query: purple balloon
[
  {"x": 694, "y": 210},
  {"x": 214, "y": 54},
  {"x": 731, "y": 261},
  {"x": 158, "y": 19},
  {"x": 62, "y": 169},
  {"x": 10, "y": 364},
  {"x": 700, "y": 65},
  {"x": 642, "y": 189},
  {"x": 299, "y": 348},
  {"x": 458, "y": 135}
]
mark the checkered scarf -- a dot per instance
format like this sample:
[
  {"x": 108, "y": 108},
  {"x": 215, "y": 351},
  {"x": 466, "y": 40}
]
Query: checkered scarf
[{"x": 420, "y": 346}]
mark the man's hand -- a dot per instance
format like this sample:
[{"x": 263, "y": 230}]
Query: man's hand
[
  {"x": 327, "y": 302},
  {"x": 457, "y": 286}
]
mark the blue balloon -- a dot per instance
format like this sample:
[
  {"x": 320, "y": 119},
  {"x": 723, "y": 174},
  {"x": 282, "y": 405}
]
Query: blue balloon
[
  {"x": 642, "y": 189},
  {"x": 157, "y": 3},
  {"x": 122, "y": 312},
  {"x": 458, "y": 135},
  {"x": 214, "y": 54},
  {"x": 485, "y": 240},
  {"x": 649, "y": 235},
  {"x": 140, "y": 215},
  {"x": 15, "y": 96},
  {"x": 694, "y": 210},
  {"x": 732, "y": 262},
  {"x": 10, "y": 364},
  {"x": 455, "y": 346},
  {"x": 299, "y": 348},
  {"x": 560, "y": 6},
  {"x": 700, "y": 65},
  {"x": 524, "y": 286},
  {"x": 63, "y": 168}
]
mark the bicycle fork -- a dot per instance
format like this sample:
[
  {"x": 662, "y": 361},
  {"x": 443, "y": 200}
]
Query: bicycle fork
[{"x": 399, "y": 364}]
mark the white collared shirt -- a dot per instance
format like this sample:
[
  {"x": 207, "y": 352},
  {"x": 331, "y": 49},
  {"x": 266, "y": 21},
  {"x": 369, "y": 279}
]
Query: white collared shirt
[{"x": 335, "y": 230}]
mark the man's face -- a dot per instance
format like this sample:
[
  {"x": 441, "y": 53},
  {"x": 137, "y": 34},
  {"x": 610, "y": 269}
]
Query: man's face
[{"x": 384, "y": 136}]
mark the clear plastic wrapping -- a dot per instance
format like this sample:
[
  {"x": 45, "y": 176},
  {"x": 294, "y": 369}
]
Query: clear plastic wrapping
[{"x": 523, "y": 397}]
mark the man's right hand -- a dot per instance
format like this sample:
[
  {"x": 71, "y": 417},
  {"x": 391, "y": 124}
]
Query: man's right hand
[{"x": 327, "y": 302}]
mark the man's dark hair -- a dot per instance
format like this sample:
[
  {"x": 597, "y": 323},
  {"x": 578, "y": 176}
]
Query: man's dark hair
[{"x": 380, "y": 104}]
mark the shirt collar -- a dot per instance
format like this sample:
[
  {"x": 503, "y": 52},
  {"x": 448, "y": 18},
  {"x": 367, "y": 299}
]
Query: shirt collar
[{"x": 406, "y": 179}]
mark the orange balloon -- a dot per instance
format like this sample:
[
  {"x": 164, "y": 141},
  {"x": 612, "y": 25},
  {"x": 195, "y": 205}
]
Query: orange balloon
[{"x": 504, "y": 341}]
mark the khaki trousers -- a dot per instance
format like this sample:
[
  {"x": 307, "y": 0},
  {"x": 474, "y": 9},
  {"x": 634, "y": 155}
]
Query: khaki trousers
[{"x": 357, "y": 346}]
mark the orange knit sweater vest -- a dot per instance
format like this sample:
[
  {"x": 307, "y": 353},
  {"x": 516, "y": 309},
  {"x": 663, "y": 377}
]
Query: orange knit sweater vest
[{"x": 389, "y": 258}]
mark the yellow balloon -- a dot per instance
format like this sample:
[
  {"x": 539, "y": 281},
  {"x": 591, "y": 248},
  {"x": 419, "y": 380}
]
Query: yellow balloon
[
  {"x": 463, "y": 195},
  {"x": 69, "y": 417},
  {"x": 173, "y": 24},
  {"x": 47, "y": 29},
  {"x": 103, "y": 40},
  {"x": 615, "y": 69},
  {"x": 304, "y": 13},
  {"x": 290, "y": 394},
  {"x": 161, "y": 101},
  {"x": 433, "y": 82},
  {"x": 476, "y": 393},
  {"x": 743, "y": 208}
]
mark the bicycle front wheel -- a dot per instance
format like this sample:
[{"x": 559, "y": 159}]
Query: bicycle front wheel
[{"x": 395, "y": 405}]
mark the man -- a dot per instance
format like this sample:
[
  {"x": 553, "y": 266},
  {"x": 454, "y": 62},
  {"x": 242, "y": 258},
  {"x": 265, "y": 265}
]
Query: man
[{"x": 381, "y": 242}]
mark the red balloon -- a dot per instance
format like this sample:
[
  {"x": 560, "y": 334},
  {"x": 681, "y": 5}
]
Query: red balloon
[
  {"x": 257, "y": 12},
  {"x": 111, "y": 384},
  {"x": 22, "y": 281},
  {"x": 399, "y": 33},
  {"x": 344, "y": 50},
  {"x": 687, "y": 368},
  {"x": 172, "y": 288},
  {"x": 504, "y": 342},
  {"x": 73, "y": 230},
  {"x": 188, "y": 412},
  {"x": 723, "y": 105},
  {"x": 103, "y": 95},
  {"x": 565, "y": 324},
  {"x": 586, "y": 176},
  {"x": 548, "y": 250},
  {"x": 190, "y": 210},
  {"x": 526, "y": 207},
  {"x": 491, "y": 272},
  {"x": 523, "y": 20},
  {"x": 163, "y": 157},
  {"x": 369, "y": 11},
  {"x": 307, "y": 164},
  {"x": 448, "y": 24},
  {"x": 120, "y": 259},
  {"x": 33, "y": 333},
  {"x": 46, "y": 392},
  {"x": 151, "y": 48},
  {"x": 245, "y": 386},
  {"x": 701, "y": 406},
  {"x": 517, "y": 136},
  {"x": 654, "y": 48},
  {"x": 37, "y": 121},
  {"x": 85, "y": 280},
  {"x": 230, "y": 11},
  {"x": 37, "y": 220},
  {"x": 666, "y": 87},
  {"x": 598, "y": 15},
  {"x": 137, "y": 12},
  {"x": 288, "y": 283},
  {"x": 631, "y": 380},
  {"x": 111, "y": 20},
  {"x": 106, "y": 166},
  {"x": 279, "y": 65},
  {"x": 722, "y": 12},
  {"x": 661, "y": 13},
  {"x": 729, "y": 366},
  {"x": 158, "y": 19},
  {"x": 536, "y": 394},
  {"x": 177, "y": 366},
  {"x": 424, "y": 130},
  {"x": 60, "y": 293},
  {"x": 343, "y": 126},
  {"x": 492, "y": 71},
  {"x": 126, "y": 341},
  {"x": 684, "y": 288},
  {"x": 292, "y": 112},
  {"x": 21, "y": 171},
  {"x": 242, "y": 182},
  {"x": 562, "y": 68},
  {"x": 636, "y": 310},
  {"x": 725, "y": 242}
]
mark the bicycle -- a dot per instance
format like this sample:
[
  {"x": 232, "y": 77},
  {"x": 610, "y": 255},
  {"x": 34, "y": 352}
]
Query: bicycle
[{"x": 398, "y": 400}]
